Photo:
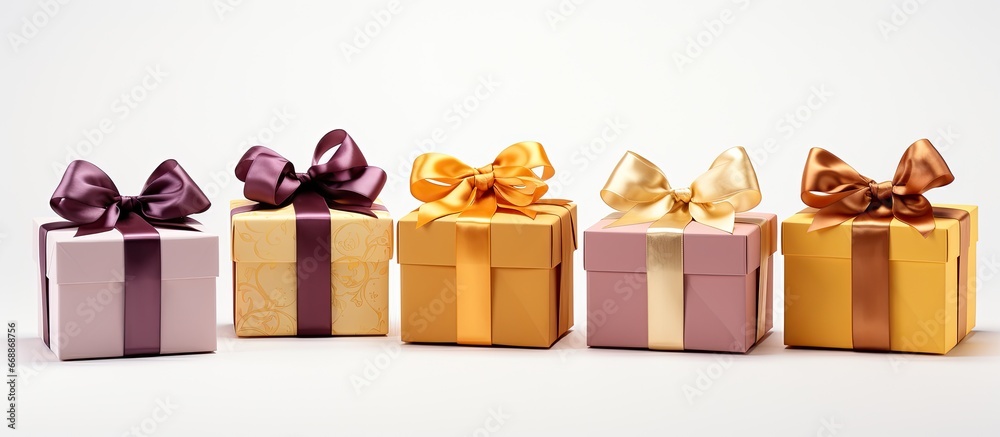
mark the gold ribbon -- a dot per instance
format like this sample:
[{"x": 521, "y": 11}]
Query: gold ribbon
[
  {"x": 448, "y": 186},
  {"x": 640, "y": 190},
  {"x": 840, "y": 194}
]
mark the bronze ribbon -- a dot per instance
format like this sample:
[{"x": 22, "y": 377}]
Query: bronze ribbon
[
  {"x": 640, "y": 190},
  {"x": 508, "y": 185},
  {"x": 965, "y": 231},
  {"x": 840, "y": 194}
]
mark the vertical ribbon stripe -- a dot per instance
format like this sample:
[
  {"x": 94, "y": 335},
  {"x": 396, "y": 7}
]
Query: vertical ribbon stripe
[
  {"x": 768, "y": 242},
  {"x": 312, "y": 265},
  {"x": 870, "y": 282},
  {"x": 142, "y": 287},
  {"x": 965, "y": 230},
  {"x": 665, "y": 282},
  {"x": 43, "y": 268},
  {"x": 473, "y": 281},
  {"x": 564, "y": 289}
]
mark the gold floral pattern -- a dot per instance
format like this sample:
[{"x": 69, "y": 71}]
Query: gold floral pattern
[{"x": 265, "y": 280}]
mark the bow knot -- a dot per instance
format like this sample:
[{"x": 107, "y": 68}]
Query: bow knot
[
  {"x": 449, "y": 186},
  {"x": 840, "y": 193},
  {"x": 682, "y": 195},
  {"x": 88, "y": 197},
  {"x": 484, "y": 178},
  {"x": 345, "y": 180},
  {"x": 639, "y": 188},
  {"x": 129, "y": 203},
  {"x": 880, "y": 193}
]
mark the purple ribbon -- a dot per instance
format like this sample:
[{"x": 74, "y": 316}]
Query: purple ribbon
[
  {"x": 345, "y": 182},
  {"x": 90, "y": 201}
]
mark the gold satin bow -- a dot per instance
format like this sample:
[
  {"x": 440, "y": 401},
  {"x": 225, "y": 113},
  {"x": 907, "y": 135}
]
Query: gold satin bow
[
  {"x": 449, "y": 186},
  {"x": 841, "y": 193},
  {"x": 639, "y": 188}
]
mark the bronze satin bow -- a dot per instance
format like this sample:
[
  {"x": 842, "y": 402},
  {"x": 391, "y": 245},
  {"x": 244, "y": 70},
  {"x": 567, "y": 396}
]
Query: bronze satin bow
[
  {"x": 840, "y": 194},
  {"x": 449, "y": 186},
  {"x": 639, "y": 189}
]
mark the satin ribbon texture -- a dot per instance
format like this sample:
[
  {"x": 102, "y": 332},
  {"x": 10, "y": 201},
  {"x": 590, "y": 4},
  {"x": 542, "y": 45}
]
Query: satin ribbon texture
[
  {"x": 507, "y": 185},
  {"x": 640, "y": 190},
  {"x": 840, "y": 193},
  {"x": 344, "y": 182},
  {"x": 90, "y": 201}
]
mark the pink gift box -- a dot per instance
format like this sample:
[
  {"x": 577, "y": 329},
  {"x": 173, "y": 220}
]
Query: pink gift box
[
  {"x": 720, "y": 285},
  {"x": 87, "y": 301}
]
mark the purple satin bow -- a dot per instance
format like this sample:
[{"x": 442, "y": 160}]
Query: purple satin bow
[
  {"x": 345, "y": 181},
  {"x": 89, "y": 198}
]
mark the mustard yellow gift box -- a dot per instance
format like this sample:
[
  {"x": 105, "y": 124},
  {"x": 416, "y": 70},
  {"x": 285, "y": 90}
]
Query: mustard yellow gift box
[
  {"x": 923, "y": 284},
  {"x": 531, "y": 278},
  {"x": 264, "y": 272}
]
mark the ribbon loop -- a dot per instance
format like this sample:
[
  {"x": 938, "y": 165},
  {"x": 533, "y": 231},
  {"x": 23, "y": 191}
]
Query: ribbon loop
[{"x": 640, "y": 190}]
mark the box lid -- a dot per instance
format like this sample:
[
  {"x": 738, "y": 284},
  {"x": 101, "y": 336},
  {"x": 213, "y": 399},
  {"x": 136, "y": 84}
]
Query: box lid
[
  {"x": 269, "y": 235},
  {"x": 516, "y": 241},
  {"x": 943, "y": 244},
  {"x": 707, "y": 251},
  {"x": 101, "y": 257}
]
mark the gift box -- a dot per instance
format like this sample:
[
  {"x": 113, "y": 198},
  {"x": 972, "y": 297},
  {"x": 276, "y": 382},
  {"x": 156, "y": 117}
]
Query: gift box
[
  {"x": 486, "y": 261},
  {"x": 126, "y": 276},
  {"x": 889, "y": 271},
  {"x": 726, "y": 283},
  {"x": 264, "y": 265},
  {"x": 680, "y": 269},
  {"x": 311, "y": 250}
]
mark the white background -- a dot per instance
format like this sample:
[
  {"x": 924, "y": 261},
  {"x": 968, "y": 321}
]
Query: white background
[{"x": 889, "y": 72}]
